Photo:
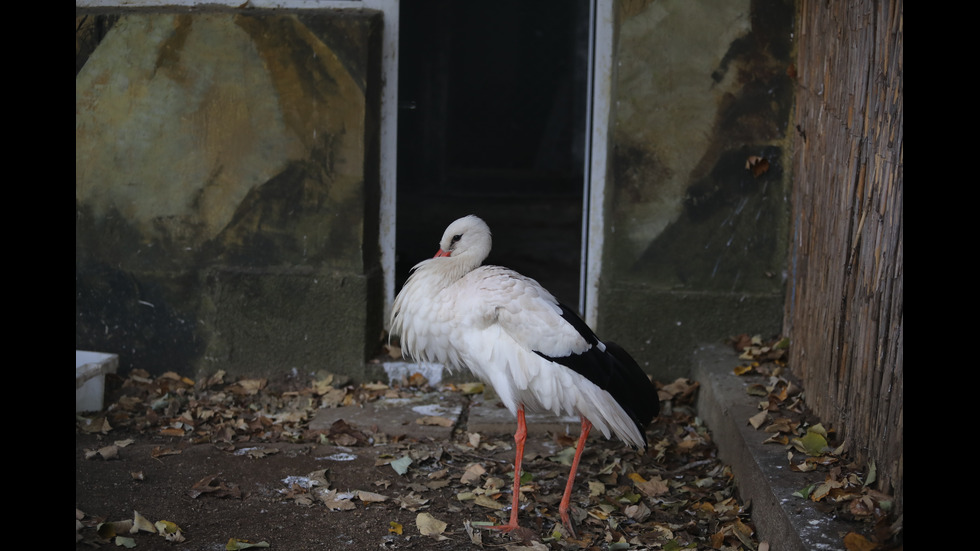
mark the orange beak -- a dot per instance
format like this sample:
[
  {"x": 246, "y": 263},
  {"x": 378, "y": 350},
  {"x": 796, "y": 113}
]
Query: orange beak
[{"x": 441, "y": 253}]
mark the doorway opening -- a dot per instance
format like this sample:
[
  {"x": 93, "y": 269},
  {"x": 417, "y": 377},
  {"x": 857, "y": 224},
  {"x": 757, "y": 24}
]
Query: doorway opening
[{"x": 492, "y": 121}]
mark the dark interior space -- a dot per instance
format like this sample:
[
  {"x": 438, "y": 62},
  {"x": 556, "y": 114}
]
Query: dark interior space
[{"x": 492, "y": 122}]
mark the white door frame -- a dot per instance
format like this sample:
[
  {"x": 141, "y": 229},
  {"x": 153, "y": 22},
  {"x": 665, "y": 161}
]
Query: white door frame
[
  {"x": 598, "y": 102},
  {"x": 601, "y": 19}
]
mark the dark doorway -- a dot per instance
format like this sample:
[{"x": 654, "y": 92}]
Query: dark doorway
[{"x": 492, "y": 122}]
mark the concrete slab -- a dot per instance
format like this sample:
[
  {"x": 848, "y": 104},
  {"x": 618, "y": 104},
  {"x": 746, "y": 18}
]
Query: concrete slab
[
  {"x": 488, "y": 416},
  {"x": 399, "y": 416},
  {"x": 762, "y": 472}
]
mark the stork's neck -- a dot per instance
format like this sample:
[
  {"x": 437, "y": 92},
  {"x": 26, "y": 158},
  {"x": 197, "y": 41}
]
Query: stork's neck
[{"x": 448, "y": 270}]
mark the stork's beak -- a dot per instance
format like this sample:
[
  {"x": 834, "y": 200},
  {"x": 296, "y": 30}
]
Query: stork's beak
[{"x": 441, "y": 253}]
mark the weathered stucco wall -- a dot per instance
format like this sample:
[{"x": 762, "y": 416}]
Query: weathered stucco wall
[
  {"x": 226, "y": 188},
  {"x": 695, "y": 240}
]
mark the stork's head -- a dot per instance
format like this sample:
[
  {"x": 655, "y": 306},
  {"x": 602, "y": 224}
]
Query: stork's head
[{"x": 467, "y": 239}]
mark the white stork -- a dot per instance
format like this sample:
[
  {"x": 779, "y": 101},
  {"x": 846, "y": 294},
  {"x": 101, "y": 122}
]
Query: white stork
[{"x": 514, "y": 335}]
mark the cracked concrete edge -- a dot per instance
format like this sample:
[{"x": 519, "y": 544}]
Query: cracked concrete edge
[{"x": 788, "y": 523}]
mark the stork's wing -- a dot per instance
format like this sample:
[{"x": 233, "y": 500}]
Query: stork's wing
[
  {"x": 524, "y": 310},
  {"x": 508, "y": 308}
]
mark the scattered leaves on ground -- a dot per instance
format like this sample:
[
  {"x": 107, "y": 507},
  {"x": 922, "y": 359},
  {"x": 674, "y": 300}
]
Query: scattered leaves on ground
[
  {"x": 783, "y": 420},
  {"x": 121, "y": 532},
  {"x": 675, "y": 495}
]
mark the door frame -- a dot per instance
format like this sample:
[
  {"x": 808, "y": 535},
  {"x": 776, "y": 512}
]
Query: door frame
[{"x": 598, "y": 108}]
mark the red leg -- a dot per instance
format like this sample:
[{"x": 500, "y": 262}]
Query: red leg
[
  {"x": 519, "y": 438},
  {"x": 567, "y": 498}
]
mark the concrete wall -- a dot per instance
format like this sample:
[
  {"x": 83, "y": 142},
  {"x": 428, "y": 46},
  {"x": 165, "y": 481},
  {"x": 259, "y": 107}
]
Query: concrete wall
[
  {"x": 695, "y": 243},
  {"x": 226, "y": 188}
]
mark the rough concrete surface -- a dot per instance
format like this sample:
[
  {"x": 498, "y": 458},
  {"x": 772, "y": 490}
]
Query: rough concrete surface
[{"x": 762, "y": 472}]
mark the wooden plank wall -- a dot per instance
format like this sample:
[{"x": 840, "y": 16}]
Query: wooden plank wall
[{"x": 845, "y": 307}]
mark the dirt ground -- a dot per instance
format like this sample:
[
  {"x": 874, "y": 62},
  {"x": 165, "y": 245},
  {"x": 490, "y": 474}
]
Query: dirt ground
[{"x": 229, "y": 463}]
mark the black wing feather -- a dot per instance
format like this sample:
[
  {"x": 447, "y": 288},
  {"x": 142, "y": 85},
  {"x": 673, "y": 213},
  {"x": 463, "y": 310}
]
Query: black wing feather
[{"x": 614, "y": 371}]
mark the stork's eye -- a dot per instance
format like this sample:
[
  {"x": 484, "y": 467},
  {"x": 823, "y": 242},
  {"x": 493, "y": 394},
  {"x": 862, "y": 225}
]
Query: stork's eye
[{"x": 457, "y": 238}]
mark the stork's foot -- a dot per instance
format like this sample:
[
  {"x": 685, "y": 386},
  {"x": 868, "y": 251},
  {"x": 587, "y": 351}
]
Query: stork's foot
[
  {"x": 505, "y": 528},
  {"x": 516, "y": 532},
  {"x": 566, "y": 521}
]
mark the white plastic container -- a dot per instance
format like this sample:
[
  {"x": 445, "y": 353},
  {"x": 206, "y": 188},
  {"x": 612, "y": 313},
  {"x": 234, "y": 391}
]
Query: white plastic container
[{"x": 90, "y": 370}]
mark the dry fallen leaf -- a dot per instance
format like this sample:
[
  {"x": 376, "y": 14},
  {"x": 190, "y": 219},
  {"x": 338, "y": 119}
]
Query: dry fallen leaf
[
  {"x": 107, "y": 452},
  {"x": 337, "y": 502},
  {"x": 247, "y": 387},
  {"x": 401, "y": 464},
  {"x": 428, "y": 525},
  {"x": 160, "y": 452},
  {"x": 743, "y": 369},
  {"x": 758, "y": 419},
  {"x": 344, "y": 434},
  {"x": 857, "y": 542},
  {"x": 639, "y": 512},
  {"x": 652, "y": 488},
  {"x": 371, "y": 497},
  {"x": 596, "y": 488},
  {"x": 169, "y": 530},
  {"x": 257, "y": 452},
  {"x": 681, "y": 388},
  {"x": 98, "y": 425},
  {"x": 472, "y": 474},
  {"x": 334, "y": 397},
  {"x": 435, "y": 421},
  {"x": 485, "y": 501},
  {"x": 758, "y": 165},
  {"x": 812, "y": 443},
  {"x": 394, "y": 352},
  {"x": 411, "y": 501},
  {"x": 476, "y": 536},
  {"x": 111, "y": 529},
  {"x": 214, "y": 486},
  {"x": 141, "y": 523}
]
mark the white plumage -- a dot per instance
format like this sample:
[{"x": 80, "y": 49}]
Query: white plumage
[{"x": 513, "y": 334}]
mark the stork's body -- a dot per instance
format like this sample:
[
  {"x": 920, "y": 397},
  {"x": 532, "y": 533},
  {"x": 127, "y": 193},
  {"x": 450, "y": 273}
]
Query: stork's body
[{"x": 513, "y": 334}]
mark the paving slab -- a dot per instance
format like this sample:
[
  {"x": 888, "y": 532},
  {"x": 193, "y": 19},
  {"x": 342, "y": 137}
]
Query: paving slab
[
  {"x": 488, "y": 415},
  {"x": 761, "y": 470},
  {"x": 485, "y": 414},
  {"x": 399, "y": 416}
]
